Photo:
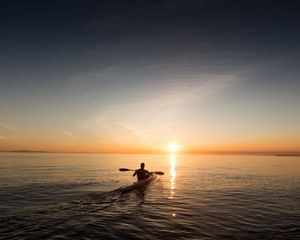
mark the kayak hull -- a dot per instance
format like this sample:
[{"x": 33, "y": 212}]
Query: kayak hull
[{"x": 138, "y": 185}]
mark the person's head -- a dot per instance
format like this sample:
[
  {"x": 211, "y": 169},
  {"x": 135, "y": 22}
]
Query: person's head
[{"x": 142, "y": 165}]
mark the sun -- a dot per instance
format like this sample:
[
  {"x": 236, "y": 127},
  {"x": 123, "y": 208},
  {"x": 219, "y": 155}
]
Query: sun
[{"x": 172, "y": 147}]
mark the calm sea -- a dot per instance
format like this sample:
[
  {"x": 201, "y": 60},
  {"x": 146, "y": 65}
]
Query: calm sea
[{"x": 67, "y": 196}]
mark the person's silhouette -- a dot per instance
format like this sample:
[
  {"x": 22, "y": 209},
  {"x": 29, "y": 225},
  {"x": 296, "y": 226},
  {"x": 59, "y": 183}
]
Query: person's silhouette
[{"x": 141, "y": 173}]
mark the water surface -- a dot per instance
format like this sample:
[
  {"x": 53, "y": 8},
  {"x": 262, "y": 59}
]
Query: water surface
[{"x": 68, "y": 196}]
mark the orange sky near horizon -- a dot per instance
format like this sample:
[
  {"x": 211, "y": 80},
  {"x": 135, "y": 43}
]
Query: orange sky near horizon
[
  {"x": 63, "y": 145},
  {"x": 217, "y": 122}
]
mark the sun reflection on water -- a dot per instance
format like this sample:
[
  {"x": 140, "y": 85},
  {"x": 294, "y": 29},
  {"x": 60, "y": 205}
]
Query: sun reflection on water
[{"x": 172, "y": 174}]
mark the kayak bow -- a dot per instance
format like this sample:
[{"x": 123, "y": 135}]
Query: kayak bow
[{"x": 137, "y": 185}]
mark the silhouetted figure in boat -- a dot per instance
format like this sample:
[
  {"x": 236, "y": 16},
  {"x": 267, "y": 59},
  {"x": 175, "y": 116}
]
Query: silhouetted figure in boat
[{"x": 141, "y": 173}]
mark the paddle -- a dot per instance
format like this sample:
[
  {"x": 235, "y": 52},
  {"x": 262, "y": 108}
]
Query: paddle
[{"x": 126, "y": 169}]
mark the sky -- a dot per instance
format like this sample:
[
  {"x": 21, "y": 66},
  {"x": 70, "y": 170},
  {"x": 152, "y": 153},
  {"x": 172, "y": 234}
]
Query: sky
[{"x": 135, "y": 76}]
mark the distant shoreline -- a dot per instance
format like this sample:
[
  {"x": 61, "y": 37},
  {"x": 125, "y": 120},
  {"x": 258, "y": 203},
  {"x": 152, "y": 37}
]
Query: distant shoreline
[{"x": 179, "y": 153}]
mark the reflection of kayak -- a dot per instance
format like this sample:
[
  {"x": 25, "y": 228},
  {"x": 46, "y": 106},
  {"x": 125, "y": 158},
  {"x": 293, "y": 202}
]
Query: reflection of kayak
[{"x": 137, "y": 184}]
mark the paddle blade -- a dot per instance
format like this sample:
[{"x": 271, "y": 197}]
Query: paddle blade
[
  {"x": 124, "y": 169},
  {"x": 159, "y": 173}
]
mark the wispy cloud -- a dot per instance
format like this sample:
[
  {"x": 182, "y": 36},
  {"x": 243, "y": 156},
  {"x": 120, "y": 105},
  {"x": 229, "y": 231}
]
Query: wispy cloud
[
  {"x": 2, "y": 137},
  {"x": 69, "y": 134},
  {"x": 7, "y": 126},
  {"x": 153, "y": 113}
]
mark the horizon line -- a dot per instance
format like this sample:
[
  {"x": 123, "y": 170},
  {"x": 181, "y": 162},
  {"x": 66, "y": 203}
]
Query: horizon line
[{"x": 276, "y": 153}]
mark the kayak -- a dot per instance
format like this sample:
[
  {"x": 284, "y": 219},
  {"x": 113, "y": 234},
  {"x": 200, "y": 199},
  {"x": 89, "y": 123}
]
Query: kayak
[{"x": 137, "y": 185}]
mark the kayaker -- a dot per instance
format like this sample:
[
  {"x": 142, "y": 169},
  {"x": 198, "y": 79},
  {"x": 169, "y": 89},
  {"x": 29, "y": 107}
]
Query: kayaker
[{"x": 141, "y": 173}]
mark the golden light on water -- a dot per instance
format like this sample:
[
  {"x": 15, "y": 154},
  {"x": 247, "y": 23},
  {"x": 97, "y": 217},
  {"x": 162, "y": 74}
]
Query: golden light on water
[{"x": 173, "y": 175}]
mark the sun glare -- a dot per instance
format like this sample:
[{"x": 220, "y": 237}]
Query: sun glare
[{"x": 172, "y": 147}]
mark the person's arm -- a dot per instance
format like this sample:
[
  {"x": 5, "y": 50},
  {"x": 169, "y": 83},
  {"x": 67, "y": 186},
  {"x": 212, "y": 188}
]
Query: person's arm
[{"x": 134, "y": 173}]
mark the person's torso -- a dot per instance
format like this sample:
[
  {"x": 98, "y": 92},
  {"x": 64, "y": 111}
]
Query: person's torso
[{"x": 141, "y": 174}]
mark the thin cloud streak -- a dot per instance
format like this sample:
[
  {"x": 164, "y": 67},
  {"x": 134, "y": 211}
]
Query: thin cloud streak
[
  {"x": 69, "y": 134},
  {"x": 2, "y": 137},
  {"x": 7, "y": 126}
]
